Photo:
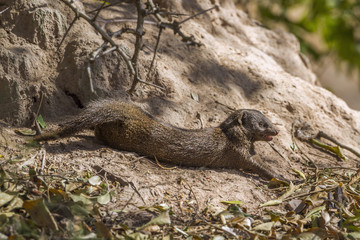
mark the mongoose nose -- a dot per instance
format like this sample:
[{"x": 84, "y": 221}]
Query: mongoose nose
[{"x": 277, "y": 132}]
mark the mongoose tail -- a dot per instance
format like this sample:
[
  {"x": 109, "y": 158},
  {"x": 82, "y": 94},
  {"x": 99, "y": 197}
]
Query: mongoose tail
[{"x": 94, "y": 114}]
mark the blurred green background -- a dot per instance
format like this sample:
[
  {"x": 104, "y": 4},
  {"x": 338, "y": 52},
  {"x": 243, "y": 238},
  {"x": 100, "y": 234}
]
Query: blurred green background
[{"x": 328, "y": 31}]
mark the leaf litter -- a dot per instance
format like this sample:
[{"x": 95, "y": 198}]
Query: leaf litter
[{"x": 46, "y": 202}]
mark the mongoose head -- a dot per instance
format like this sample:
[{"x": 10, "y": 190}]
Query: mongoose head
[{"x": 248, "y": 123}]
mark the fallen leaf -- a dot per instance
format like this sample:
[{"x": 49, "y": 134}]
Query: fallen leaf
[
  {"x": 95, "y": 180},
  {"x": 16, "y": 202},
  {"x": 264, "y": 226},
  {"x": 232, "y": 202},
  {"x": 40, "y": 214},
  {"x": 315, "y": 211},
  {"x": 26, "y": 132},
  {"x": 5, "y": 198},
  {"x": 299, "y": 173},
  {"x": 162, "y": 219},
  {"x": 296, "y": 205},
  {"x": 80, "y": 198},
  {"x": 271, "y": 203},
  {"x": 104, "y": 199},
  {"x": 102, "y": 231}
]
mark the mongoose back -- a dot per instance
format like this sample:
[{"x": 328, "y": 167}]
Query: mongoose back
[{"x": 124, "y": 126}]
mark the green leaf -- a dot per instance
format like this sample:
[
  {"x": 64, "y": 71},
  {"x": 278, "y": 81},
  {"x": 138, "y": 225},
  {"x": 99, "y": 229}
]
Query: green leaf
[
  {"x": 80, "y": 198},
  {"x": 353, "y": 235},
  {"x": 271, "y": 203},
  {"x": 104, "y": 199},
  {"x": 293, "y": 146},
  {"x": 280, "y": 199},
  {"x": 315, "y": 211},
  {"x": 78, "y": 210},
  {"x": 299, "y": 173},
  {"x": 26, "y": 132},
  {"x": 41, "y": 121},
  {"x": 232, "y": 202}
]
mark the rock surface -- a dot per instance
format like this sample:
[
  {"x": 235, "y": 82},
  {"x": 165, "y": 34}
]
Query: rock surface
[{"x": 240, "y": 65}]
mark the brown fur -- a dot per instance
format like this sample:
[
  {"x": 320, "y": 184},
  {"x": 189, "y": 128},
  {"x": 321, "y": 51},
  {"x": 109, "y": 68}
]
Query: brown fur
[{"x": 124, "y": 126}]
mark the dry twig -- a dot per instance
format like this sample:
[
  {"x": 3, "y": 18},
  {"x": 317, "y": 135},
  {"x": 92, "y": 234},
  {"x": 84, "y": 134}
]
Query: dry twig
[{"x": 143, "y": 10}]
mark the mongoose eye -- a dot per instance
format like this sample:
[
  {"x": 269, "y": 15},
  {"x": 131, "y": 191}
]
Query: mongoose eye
[{"x": 263, "y": 125}]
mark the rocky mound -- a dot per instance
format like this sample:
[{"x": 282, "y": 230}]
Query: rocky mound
[{"x": 239, "y": 65}]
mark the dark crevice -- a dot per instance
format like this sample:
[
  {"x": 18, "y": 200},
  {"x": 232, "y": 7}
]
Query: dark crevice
[{"x": 75, "y": 98}]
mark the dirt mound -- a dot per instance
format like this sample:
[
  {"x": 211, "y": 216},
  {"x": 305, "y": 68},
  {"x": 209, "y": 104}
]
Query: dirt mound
[{"x": 239, "y": 65}]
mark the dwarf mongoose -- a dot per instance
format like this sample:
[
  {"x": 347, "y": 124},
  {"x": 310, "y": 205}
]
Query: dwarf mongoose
[{"x": 124, "y": 126}]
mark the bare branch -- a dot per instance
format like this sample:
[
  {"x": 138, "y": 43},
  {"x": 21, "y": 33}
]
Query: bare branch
[
  {"x": 138, "y": 44},
  {"x": 107, "y": 6},
  {"x": 1, "y": 12},
  {"x": 197, "y": 14},
  {"x": 151, "y": 84},
  {"x": 175, "y": 26},
  {"x": 99, "y": 10},
  {"x": 155, "y": 51},
  {"x": 109, "y": 45},
  {"x": 88, "y": 70},
  {"x": 67, "y": 31},
  {"x": 102, "y": 33}
]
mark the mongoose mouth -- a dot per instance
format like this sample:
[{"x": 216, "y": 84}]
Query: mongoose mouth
[{"x": 270, "y": 137}]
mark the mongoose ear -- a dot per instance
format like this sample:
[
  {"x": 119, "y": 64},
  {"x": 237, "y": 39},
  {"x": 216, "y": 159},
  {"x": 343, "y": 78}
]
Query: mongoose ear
[{"x": 241, "y": 118}]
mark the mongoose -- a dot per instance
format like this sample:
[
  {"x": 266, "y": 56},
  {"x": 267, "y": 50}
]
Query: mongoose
[{"x": 124, "y": 126}]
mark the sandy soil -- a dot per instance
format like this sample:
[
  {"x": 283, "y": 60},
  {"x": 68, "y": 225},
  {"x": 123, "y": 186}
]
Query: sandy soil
[{"x": 240, "y": 65}]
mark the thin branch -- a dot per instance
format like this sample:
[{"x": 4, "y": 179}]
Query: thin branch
[
  {"x": 155, "y": 11},
  {"x": 37, "y": 125},
  {"x": 108, "y": 51},
  {"x": 35, "y": 115},
  {"x": 308, "y": 194},
  {"x": 132, "y": 63},
  {"x": 88, "y": 70},
  {"x": 124, "y": 20},
  {"x": 107, "y": 6},
  {"x": 175, "y": 26},
  {"x": 155, "y": 51},
  {"x": 43, "y": 162},
  {"x": 199, "y": 13},
  {"x": 297, "y": 145},
  {"x": 123, "y": 30},
  {"x": 4, "y": 10},
  {"x": 151, "y": 84},
  {"x": 324, "y": 135},
  {"x": 272, "y": 145},
  {"x": 139, "y": 30},
  {"x": 67, "y": 31},
  {"x": 98, "y": 11},
  {"x": 139, "y": 41},
  {"x": 102, "y": 33},
  {"x": 97, "y": 51}
]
